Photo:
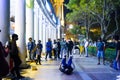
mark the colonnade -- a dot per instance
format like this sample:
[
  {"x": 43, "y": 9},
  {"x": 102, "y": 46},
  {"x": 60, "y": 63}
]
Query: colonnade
[{"x": 31, "y": 20}]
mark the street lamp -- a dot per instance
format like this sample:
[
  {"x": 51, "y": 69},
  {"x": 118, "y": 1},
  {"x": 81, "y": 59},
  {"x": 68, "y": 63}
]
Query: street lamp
[{"x": 70, "y": 26}]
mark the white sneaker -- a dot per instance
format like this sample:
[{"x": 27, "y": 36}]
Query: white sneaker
[{"x": 118, "y": 76}]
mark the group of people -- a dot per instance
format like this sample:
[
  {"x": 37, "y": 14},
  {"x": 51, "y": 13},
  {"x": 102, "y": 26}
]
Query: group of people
[
  {"x": 14, "y": 72},
  {"x": 34, "y": 50},
  {"x": 59, "y": 48}
]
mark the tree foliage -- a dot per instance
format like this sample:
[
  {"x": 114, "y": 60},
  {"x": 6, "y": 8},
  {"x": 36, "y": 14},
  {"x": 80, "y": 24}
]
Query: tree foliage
[{"x": 91, "y": 12}]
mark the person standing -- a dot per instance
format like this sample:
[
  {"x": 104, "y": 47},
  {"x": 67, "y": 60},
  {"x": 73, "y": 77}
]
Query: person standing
[
  {"x": 39, "y": 51},
  {"x": 34, "y": 50},
  {"x": 100, "y": 50},
  {"x": 86, "y": 47},
  {"x": 70, "y": 47},
  {"x": 55, "y": 49},
  {"x": 48, "y": 49},
  {"x": 30, "y": 46},
  {"x": 15, "y": 56},
  {"x": 117, "y": 58},
  {"x": 59, "y": 48},
  {"x": 63, "y": 47}
]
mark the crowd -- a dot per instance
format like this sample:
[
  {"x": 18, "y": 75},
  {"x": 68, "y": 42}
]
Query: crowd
[{"x": 58, "y": 49}]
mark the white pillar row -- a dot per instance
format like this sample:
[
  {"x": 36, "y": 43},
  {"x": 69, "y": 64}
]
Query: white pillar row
[
  {"x": 29, "y": 19},
  {"x": 44, "y": 34},
  {"x": 20, "y": 28},
  {"x": 4, "y": 20},
  {"x": 36, "y": 22}
]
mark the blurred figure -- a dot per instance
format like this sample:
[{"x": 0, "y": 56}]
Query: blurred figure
[
  {"x": 30, "y": 47},
  {"x": 63, "y": 47},
  {"x": 100, "y": 50},
  {"x": 15, "y": 56},
  {"x": 48, "y": 49},
  {"x": 86, "y": 47},
  {"x": 34, "y": 50},
  {"x": 55, "y": 49},
  {"x": 59, "y": 48},
  {"x": 117, "y": 58},
  {"x": 70, "y": 47},
  {"x": 39, "y": 51}
]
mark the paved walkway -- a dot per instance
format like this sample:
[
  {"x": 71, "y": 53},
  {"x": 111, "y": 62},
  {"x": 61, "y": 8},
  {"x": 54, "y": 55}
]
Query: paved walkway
[
  {"x": 86, "y": 68},
  {"x": 89, "y": 70}
]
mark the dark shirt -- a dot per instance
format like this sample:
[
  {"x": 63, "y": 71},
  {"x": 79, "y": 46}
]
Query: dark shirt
[{"x": 117, "y": 48}]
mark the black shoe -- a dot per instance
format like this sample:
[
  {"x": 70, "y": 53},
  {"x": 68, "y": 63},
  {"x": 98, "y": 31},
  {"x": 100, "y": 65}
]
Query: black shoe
[
  {"x": 40, "y": 63},
  {"x": 98, "y": 63}
]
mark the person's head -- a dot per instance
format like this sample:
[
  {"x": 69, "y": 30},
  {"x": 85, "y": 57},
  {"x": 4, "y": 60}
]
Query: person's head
[
  {"x": 100, "y": 39},
  {"x": 49, "y": 39},
  {"x": 14, "y": 37},
  {"x": 64, "y": 56},
  {"x": 30, "y": 39},
  {"x": 39, "y": 41}
]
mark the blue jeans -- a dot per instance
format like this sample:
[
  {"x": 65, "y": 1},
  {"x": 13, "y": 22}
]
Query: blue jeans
[{"x": 86, "y": 51}]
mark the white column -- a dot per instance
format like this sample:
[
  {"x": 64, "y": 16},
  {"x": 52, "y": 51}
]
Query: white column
[
  {"x": 20, "y": 27},
  {"x": 47, "y": 30},
  {"x": 40, "y": 26},
  {"x": 44, "y": 35},
  {"x": 36, "y": 25},
  {"x": 55, "y": 34},
  {"x": 58, "y": 31},
  {"x": 52, "y": 33},
  {"x": 4, "y": 20},
  {"x": 29, "y": 19}
]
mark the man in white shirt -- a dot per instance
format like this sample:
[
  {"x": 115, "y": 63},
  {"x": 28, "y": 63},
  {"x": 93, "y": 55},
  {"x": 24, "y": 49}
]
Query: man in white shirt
[{"x": 86, "y": 47}]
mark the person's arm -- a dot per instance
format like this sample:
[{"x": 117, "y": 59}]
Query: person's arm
[{"x": 118, "y": 55}]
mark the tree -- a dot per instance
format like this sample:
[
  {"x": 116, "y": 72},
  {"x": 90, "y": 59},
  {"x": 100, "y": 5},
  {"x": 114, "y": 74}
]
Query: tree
[
  {"x": 104, "y": 9},
  {"x": 81, "y": 13},
  {"x": 90, "y": 12}
]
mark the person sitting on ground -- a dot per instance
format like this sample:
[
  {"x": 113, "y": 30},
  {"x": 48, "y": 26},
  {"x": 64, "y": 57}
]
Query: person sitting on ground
[
  {"x": 66, "y": 68},
  {"x": 69, "y": 65},
  {"x": 63, "y": 63}
]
